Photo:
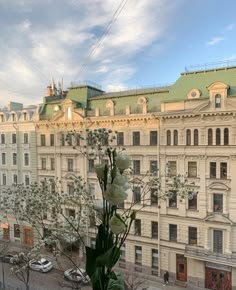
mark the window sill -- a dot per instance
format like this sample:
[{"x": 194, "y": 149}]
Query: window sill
[{"x": 193, "y": 209}]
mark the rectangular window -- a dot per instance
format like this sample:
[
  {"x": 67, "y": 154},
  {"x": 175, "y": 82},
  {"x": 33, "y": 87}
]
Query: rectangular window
[
  {"x": 3, "y": 139},
  {"x": 120, "y": 138},
  {"x": 91, "y": 165},
  {"x": 16, "y": 231},
  {"x": 26, "y": 138},
  {"x": 43, "y": 163},
  {"x": 223, "y": 170},
  {"x": 137, "y": 194},
  {"x": 192, "y": 169},
  {"x": 70, "y": 212},
  {"x": 4, "y": 179},
  {"x": 15, "y": 178},
  {"x": 136, "y": 167},
  {"x": 43, "y": 140},
  {"x": 155, "y": 230},
  {"x": 52, "y": 162},
  {"x": 122, "y": 253},
  {"x": 217, "y": 241},
  {"x": 13, "y": 138},
  {"x": 69, "y": 139},
  {"x": 138, "y": 255},
  {"x": 71, "y": 188},
  {"x": 153, "y": 138},
  {"x": 93, "y": 243},
  {"x": 136, "y": 138},
  {"x": 212, "y": 169},
  {"x": 192, "y": 201},
  {"x": 26, "y": 159},
  {"x": 4, "y": 158},
  {"x": 172, "y": 168},
  {"x": 52, "y": 139},
  {"x": 154, "y": 196},
  {"x": 173, "y": 233},
  {"x": 173, "y": 199},
  {"x": 153, "y": 167},
  {"x": 217, "y": 202},
  {"x": 70, "y": 164},
  {"x": 137, "y": 227},
  {"x": 155, "y": 258},
  {"x": 14, "y": 158},
  {"x": 192, "y": 235},
  {"x": 27, "y": 180},
  {"x": 62, "y": 139}
]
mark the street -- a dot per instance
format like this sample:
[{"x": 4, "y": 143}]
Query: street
[{"x": 52, "y": 280}]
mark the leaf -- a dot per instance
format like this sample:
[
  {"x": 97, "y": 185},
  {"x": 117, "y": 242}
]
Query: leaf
[
  {"x": 90, "y": 258},
  {"x": 116, "y": 284},
  {"x": 109, "y": 258}
]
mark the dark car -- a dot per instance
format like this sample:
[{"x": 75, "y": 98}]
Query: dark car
[{"x": 7, "y": 258}]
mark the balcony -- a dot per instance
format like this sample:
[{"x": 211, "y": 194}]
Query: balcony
[{"x": 200, "y": 253}]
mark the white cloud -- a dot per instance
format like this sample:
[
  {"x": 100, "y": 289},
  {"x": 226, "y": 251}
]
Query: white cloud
[
  {"x": 24, "y": 25},
  {"x": 60, "y": 43},
  {"x": 230, "y": 27},
  {"x": 215, "y": 40}
]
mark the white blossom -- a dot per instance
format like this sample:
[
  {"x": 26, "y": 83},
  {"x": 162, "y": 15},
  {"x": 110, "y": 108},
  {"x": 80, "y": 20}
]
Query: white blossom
[
  {"x": 115, "y": 194},
  {"x": 117, "y": 225},
  {"x": 122, "y": 161}
]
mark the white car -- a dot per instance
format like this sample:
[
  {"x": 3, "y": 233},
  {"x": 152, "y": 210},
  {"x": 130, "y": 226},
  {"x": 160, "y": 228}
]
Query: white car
[
  {"x": 77, "y": 275},
  {"x": 41, "y": 265}
]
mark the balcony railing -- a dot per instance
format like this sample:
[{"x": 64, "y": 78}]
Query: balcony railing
[{"x": 207, "y": 255}]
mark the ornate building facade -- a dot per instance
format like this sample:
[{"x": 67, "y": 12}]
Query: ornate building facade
[{"x": 188, "y": 128}]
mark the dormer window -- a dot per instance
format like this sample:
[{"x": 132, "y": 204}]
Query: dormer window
[
  {"x": 24, "y": 116},
  {"x": 13, "y": 116},
  {"x": 218, "y": 101}
]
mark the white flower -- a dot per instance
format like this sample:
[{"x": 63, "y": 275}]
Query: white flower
[
  {"x": 115, "y": 194},
  {"x": 99, "y": 169},
  {"x": 117, "y": 225},
  {"x": 121, "y": 180},
  {"x": 98, "y": 205},
  {"x": 122, "y": 161}
]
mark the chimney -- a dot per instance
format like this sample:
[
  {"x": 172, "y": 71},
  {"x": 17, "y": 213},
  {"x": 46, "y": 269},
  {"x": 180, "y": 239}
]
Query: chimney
[{"x": 49, "y": 91}]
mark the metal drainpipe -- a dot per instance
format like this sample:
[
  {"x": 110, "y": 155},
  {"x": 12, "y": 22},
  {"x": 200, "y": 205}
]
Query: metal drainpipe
[{"x": 159, "y": 216}]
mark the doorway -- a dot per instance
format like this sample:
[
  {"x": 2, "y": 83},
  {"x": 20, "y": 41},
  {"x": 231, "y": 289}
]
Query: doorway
[
  {"x": 181, "y": 268},
  {"x": 218, "y": 279}
]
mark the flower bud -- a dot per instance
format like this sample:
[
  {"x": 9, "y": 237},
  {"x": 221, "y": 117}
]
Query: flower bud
[
  {"x": 100, "y": 170},
  {"x": 122, "y": 161},
  {"x": 117, "y": 225}
]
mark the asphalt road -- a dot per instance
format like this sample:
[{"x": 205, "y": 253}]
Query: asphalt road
[{"x": 52, "y": 280}]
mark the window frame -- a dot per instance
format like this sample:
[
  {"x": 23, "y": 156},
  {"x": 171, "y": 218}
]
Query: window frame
[
  {"x": 136, "y": 138},
  {"x": 153, "y": 138},
  {"x": 173, "y": 235}
]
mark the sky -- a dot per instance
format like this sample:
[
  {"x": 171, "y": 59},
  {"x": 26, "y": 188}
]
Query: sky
[{"x": 115, "y": 44}]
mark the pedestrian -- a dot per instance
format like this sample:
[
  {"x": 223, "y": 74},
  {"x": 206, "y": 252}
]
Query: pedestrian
[{"x": 166, "y": 278}]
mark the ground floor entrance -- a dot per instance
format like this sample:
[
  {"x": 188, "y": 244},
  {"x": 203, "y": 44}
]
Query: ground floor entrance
[
  {"x": 181, "y": 268},
  {"x": 28, "y": 237},
  {"x": 218, "y": 279}
]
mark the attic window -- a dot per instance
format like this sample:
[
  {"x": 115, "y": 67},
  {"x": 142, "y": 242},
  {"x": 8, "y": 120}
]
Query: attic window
[
  {"x": 218, "y": 101},
  {"x": 2, "y": 118},
  {"x": 13, "y": 116},
  {"x": 24, "y": 116},
  {"x": 194, "y": 94}
]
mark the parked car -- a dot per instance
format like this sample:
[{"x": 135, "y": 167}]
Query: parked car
[
  {"x": 42, "y": 265},
  {"x": 76, "y": 275},
  {"x": 6, "y": 258}
]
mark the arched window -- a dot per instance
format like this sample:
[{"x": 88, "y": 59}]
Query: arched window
[
  {"x": 175, "y": 137},
  {"x": 226, "y": 136},
  {"x": 195, "y": 137},
  {"x": 168, "y": 137},
  {"x": 210, "y": 137},
  {"x": 217, "y": 136},
  {"x": 218, "y": 101},
  {"x": 188, "y": 137}
]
